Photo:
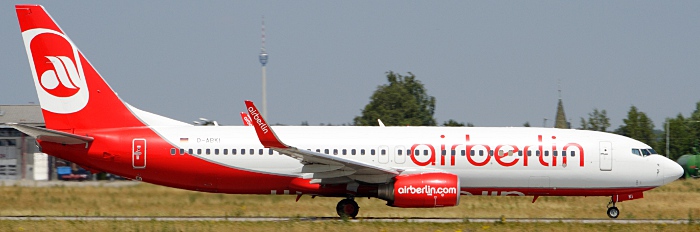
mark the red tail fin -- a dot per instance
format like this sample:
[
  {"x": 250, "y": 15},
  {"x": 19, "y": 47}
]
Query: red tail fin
[{"x": 71, "y": 92}]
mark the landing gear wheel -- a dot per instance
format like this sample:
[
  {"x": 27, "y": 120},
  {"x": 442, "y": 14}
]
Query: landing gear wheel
[
  {"x": 347, "y": 208},
  {"x": 613, "y": 212}
]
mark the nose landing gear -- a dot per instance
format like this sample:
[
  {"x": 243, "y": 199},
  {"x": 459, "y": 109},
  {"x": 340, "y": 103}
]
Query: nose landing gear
[
  {"x": 347, "y": 208},
  {"x": 613, "y": 212}
]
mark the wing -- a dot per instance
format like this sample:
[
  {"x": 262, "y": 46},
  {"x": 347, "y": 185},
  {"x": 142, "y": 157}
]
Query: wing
[
  {"x": 320, "y": 167},
  {"x": 48, "y": 135}
]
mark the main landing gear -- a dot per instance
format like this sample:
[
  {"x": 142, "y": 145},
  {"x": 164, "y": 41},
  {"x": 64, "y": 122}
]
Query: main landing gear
[
  {"x": 613, "y": 212},
  {"x": 347, "y": 208}
]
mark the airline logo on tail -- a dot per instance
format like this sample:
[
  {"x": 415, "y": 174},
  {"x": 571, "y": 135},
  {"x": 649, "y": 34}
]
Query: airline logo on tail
[{"x": 57, "y": 70}]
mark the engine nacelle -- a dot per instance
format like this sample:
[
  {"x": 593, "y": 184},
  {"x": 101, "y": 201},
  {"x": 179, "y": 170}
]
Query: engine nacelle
[{"x": 424, "y": 190}]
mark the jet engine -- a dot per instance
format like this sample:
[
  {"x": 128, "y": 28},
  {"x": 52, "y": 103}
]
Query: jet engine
[{"x": 424, "y": 190}]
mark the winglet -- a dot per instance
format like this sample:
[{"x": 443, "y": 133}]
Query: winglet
[
  {"x": 246, "y": 120},
  {"x": 267, "y": 137}
]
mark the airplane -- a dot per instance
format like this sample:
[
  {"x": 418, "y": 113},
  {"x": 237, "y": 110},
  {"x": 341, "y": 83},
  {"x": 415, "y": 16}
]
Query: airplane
[{"x": 407, "y": 166}]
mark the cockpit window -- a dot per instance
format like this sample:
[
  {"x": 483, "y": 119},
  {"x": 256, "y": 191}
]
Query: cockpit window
[
  {"x": 636, "y": 152},
  {"x": 644, "y": 152}
]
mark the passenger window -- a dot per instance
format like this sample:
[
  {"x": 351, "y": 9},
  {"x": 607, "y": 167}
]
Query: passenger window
[
  {"x": 398, "y": 152},
  {"x": 425, "y": 152},
  {"x": 554, "y": 153},
  {"x": 252, "y": 151},
  {"x": 189, "y": 151},
  {"x": 362, "y": 151},
  {"x": 260, "y": 151},
  {"x": 529, "y": 153},
  {"x": 233, "y": 151},
  {"x": 199, "y": 151},
  {"x": 182, "y": 151},
  {"x": 408, "y": 152},
  {"x": 208, "y": 151},
  {"x": 537, "y": 153},
  {"x": 490, "y": 152},
  {"x": 318, "y": 150},
  {"x": 563, "y": 153},
  {"x": 353, "y": 152},
  {"x": 326, "y": 151},
  {"x": 383, "y": 151},
  {"x": 546, "y": 153},
  {"x": 172, "y": 151},
  {"x": 345, "y": 151},
  {"x": 471, "y": 153},
  {"x": 481, "y": 152},
  {"x": 520, "y": 153},
  {"x": 453, "y": 152},
  {"x": 242, "y": 151},
  {"x": 444, "y": 152},
  {"x": 372, "y": 152},
  {"x": 216, "y": 151},
  {"x": 573, "y": 153},
  {"x": 225, "y": 151},
  {"x": 270, "y": 151},
  {"x": 500, "y": 153}
]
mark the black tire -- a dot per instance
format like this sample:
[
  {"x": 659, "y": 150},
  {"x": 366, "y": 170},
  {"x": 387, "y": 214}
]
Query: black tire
[
  {"x": 347, "y": 208},
  {"x": 613, "y": 212}
]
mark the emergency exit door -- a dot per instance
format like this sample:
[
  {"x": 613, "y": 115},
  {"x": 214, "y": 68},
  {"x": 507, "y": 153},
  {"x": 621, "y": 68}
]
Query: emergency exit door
[{"x": 138, "y": 153}]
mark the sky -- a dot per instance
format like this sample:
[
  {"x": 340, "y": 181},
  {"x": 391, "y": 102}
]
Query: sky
[{"x": 490, "y": 63}]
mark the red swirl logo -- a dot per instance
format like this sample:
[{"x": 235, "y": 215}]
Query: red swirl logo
[{"x": 55, "y": 65}]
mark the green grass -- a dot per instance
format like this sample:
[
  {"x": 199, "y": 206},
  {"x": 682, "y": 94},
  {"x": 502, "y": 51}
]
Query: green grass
[{"x": 678, "y": 200}]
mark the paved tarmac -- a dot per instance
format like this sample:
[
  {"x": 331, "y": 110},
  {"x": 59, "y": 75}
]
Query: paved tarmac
[{"x": 372, "y": 219}]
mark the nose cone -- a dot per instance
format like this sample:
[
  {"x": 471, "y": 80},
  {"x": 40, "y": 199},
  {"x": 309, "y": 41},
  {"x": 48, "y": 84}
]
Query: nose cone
[{"x": 672, "y": 171}]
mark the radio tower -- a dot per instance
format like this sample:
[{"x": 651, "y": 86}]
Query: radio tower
[{"x": 263, "y": 61}]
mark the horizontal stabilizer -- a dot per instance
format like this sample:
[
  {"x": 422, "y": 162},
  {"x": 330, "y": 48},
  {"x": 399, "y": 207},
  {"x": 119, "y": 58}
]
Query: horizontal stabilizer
[{"x": 48, "y": 135}]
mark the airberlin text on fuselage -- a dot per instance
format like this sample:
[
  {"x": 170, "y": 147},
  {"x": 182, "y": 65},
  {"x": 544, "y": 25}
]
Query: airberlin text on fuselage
[{"x": 505, "y": 155}]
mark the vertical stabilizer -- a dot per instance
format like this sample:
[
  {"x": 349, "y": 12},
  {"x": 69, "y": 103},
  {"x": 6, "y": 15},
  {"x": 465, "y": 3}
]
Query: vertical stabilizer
[{"x": 71, "y": 92}]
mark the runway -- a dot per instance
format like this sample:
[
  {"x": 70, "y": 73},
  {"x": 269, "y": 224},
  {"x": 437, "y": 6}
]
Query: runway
[{"x": 370, "y": 219}]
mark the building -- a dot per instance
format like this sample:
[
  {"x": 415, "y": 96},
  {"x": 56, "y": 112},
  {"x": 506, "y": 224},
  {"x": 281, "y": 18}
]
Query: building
[{"x": 20, "y": 159}]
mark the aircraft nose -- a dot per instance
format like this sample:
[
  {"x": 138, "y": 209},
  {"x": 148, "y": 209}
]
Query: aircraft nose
[{"x": 672, "y": 171}]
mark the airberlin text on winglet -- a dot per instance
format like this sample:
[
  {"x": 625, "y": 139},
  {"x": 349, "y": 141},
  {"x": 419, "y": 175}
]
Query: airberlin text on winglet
[{"x": 255, "y": 116}]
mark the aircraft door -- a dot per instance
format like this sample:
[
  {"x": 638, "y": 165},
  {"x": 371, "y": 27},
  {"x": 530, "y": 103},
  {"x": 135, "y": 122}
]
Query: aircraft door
[
  {"x": 399, "y": 155},
  {"x": 138, "y": 153},
  {"x": 606, "y": 156}
]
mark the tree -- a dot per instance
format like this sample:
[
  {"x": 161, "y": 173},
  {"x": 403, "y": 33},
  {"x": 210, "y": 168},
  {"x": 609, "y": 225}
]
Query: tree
[
  {"x": 404, "y": 101},
  {"x": 681, "y": 138},
  {"x": 597, "y": 121},
  {"x": 638, "y": 126},
  {"x": 452, "y": 123},
  {"x": 683, "y": 134}
]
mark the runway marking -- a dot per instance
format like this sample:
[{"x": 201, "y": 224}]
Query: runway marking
[{"x": 369, "y": 219}]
